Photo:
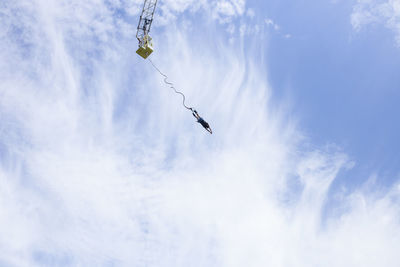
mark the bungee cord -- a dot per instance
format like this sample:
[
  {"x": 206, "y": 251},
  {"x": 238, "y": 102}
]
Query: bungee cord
[
  {"x": 171, "y": 85},
  {"x": 194, "y": 112}
]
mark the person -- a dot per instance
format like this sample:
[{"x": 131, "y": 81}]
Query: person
[{"x": 202, "y": 121}]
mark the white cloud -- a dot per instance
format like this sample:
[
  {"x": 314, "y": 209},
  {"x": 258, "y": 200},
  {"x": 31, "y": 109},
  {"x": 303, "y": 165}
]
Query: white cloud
[
  {"x": 250, "y": 13},
  {"x": 373, "y": 11},
  {"x": 101, "y": 165},
  {"x": 277, "y": 28},
  {"x": 271, "y": 23},
  {"x": 224, "y": 11}
]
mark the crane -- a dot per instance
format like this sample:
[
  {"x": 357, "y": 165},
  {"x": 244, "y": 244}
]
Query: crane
[{"x": 143, "y": 28}]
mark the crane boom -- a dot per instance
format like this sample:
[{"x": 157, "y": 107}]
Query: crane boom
[{"x": 143, "y": 29}]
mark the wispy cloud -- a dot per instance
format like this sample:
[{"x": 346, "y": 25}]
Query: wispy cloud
[
  {"x": 383, "y": 12},
  {"x": 100, "y": 164},
  {"x": 224, "y": 11},
  {"x": 271, "y": 24}
]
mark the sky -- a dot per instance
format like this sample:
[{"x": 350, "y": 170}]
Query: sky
[{"x": 101, "y": 165}]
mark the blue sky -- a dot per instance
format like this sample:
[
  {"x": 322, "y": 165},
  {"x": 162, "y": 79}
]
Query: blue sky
[
  {"x": 343, "y": 83},
  {"x": 100, "y": 165}
]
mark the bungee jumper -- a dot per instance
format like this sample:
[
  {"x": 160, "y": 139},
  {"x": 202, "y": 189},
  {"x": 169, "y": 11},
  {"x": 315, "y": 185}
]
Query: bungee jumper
[
  {"x": 146, "y": 48},
  {"x": 201, "y": 121}
]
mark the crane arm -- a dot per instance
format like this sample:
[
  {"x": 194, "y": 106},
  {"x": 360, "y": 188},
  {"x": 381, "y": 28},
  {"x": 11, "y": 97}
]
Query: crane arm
[{"x": 143, "y": 28}]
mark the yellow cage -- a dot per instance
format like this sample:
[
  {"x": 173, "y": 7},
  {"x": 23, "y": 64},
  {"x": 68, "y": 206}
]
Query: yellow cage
[{"x": 145, "y": 47}]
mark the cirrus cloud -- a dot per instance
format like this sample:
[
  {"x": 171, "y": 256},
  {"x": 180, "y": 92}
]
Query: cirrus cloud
[
  {"x": 373, "y": 11},
  {"x": 100, "y": 164}
]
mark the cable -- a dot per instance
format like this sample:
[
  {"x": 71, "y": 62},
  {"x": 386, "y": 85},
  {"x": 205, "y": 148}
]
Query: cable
[{"x": 171, "y": 85}]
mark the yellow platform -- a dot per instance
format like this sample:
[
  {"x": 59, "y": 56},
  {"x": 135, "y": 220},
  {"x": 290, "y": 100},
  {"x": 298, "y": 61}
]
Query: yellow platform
[{"x": 145, "y": 50}]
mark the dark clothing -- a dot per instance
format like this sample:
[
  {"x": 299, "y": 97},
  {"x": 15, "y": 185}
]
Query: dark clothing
[{"x": 203, "y": 123}]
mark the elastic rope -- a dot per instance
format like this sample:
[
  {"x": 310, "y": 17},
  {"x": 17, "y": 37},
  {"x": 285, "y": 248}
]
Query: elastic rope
[{"x": 171, "y": 85}]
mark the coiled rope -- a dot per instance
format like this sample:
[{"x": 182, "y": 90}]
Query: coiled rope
[{"x": 171, "y": 85}]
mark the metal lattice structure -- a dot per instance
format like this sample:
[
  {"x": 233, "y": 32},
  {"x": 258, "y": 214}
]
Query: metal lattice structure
[{"x": 146, "y": 18}]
